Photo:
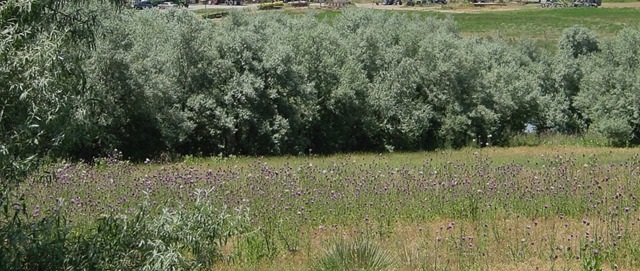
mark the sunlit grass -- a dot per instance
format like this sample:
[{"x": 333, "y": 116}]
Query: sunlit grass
[
  {"x": 466, "y": 209},
  {"x": 544, "y": 26},
  {"x": 557, "y": 243}
]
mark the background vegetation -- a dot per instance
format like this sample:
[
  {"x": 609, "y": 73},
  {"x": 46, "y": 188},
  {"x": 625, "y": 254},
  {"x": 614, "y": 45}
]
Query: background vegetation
[
  {"x": 84, "y": 80},
  {"x": 168, "y": 82}
]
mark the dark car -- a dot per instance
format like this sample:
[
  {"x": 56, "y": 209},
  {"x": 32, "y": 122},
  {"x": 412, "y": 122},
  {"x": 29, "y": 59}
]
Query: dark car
[{"x": 143, "y": 5}]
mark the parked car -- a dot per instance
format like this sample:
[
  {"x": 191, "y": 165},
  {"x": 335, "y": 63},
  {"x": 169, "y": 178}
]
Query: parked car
[
  {"x": 179, "y": 3},
  {"x": 142, "y": 5},
  {"x": 166, "y": 5}
]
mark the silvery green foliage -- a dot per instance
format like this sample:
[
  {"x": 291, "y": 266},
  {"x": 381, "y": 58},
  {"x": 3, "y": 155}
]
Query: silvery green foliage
[
  {"x": 559, "y": 81},
  {"x": 32, "y": 79},
  {"x": 162, "y": 257},
  {"x": 610, "y": 91},
  {"x": 560, "y": 78},
  {"x": 173, "y": 239},
  {"x": 510, "y": 100},
  {"x": 427, "y": 84},
  {"x": 41, "y": 44},
  {"x": 138, "y": 81},
  {"x": 167, "y": 81},
  {"x": 268, "y": 84},
  {"x": 577, "y": 41}
]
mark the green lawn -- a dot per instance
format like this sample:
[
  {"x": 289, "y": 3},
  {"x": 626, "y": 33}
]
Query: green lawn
[
  {"x": 546, "y": 23},
  {"x": 542, "y": 25},
  {"x": 530, "y": 22},
  {"x": 203, "y": 13}
]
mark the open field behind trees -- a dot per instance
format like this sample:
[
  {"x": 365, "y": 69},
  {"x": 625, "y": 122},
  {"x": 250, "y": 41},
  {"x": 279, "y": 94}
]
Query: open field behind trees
[
  {"x": 541, "y": 208},
  {"x": 514, "y": 22},
  {"x": 546, "y": 24},
  {"x": 167, "y": 88}
]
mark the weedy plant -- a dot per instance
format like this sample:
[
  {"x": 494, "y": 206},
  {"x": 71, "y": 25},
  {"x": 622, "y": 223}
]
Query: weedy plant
[
  {"x": 31, "y": 245},
  {"x": 184, "y": 239},
  {"x": 357, "y": 254}
]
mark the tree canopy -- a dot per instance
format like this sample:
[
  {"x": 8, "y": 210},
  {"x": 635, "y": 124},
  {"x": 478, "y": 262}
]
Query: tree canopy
[{"x": 166, "y": 81}]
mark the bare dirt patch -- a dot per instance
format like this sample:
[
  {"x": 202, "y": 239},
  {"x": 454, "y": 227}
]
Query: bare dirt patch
[{"x": 621, "y": 5}]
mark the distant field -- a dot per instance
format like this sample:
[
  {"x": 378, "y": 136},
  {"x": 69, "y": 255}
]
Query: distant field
[
  {"x": 515, "y": 22},
  {"x": 544, "y": 24}
]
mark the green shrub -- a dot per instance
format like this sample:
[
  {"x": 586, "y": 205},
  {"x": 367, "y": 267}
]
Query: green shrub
[
  {"x": 171, "y": 240},
  {"x": 175, "y": 239},
  {"x": 577, "y": 41},
  {"x": 357, "y": 254},
  {"x": 619, "y": 132},
  {"x": 32, "y": 244}
]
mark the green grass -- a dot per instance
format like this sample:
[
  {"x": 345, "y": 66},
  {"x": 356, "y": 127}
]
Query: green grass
[
  {"x": 546, "y": 23},
  {"x": 204, "y": 13},
  {"x": 544, "y": 26},
  {"x": 328, "y": 14},
  {"x": 446, "y": 209},
  {"x": 443, "y": 210}
]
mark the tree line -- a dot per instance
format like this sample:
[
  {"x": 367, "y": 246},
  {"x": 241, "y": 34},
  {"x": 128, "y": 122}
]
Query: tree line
[{"x": 166, "y": 81}]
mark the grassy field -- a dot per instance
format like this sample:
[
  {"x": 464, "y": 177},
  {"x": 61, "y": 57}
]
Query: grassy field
[
  {"x": 526, "y": 208},
  {"x": 544, "y": 26}
]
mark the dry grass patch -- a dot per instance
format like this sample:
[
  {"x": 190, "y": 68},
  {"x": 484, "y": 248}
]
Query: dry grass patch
[{"x": 557, "y": 243}]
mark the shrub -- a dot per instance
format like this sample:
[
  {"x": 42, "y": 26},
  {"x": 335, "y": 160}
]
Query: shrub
[
  {"x": 171, "y": 240},
  {"x": 618, "y": 131},
  {"x": 27, "y": 244},
  {"x": 578, "y": 41},
  {"x": 357, "y": 254}
]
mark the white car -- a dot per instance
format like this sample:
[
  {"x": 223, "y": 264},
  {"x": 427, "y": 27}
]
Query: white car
[{"x": 166, "y": 5}]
